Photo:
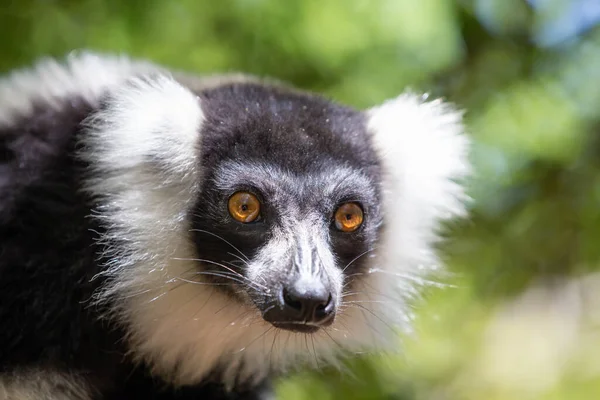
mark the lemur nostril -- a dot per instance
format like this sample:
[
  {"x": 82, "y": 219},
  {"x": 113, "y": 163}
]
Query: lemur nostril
[
  {"x": 325, "y": 308},
  {"x": 292, "y": 301},
  {"x": 323, "y": 305}
]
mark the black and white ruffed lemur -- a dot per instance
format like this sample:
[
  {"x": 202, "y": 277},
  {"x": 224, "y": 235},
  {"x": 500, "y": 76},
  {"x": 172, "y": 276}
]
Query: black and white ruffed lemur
[{"x": 166, "y": 236}]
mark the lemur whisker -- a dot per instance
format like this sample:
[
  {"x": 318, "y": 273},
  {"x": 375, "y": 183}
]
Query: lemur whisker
[
  {"x": 217, "y": 273},
  {"x": 312, "y": 339},
  {"x": 254, "y": 340},
  {"x": 137, "y": 294},
  {"x": 306, "y": 344},
  {"x": 416, "y": 279},
  {"x": 203, "y": 305},
  {"x": 273, "y": 346},
  {"x": 237, "y": 318},
  {"x": 346, "y": 294},
  {"x": 222, "y": 308},
  {"x": 287, "y": 341},
  {"x": 356, "y": 258},
  {"x": 332, "y": 339},
  {"x": 230, "y": 276},
  {"x": 355, "y": 274},
  {"x": 245, "y": 262},
  {"x": 223, "y": 239},
  {"x": 376, "y": 292},
  {"x": 233, "y": 264},
  {"x": 220, "y": 275},
  {"x": 202, "y": 260},
  {"x": 202, "y": 283},
  {"x": 374, "y": 314}
]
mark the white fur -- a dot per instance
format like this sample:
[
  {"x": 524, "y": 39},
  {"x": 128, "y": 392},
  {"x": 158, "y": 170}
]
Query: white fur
[
  {"x": 49, "y": 82},
  {"x": 424, "y": 152},
  {"x": 144, "y": 147},
  {"x": 44, "y": 384}
]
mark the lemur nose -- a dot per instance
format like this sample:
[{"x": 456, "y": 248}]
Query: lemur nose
[
  {"x": 303, "y": 306},
  {"x": 307, "y": 304}
]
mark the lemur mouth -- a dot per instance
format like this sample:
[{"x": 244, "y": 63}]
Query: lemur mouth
[
  {"x": 303, "y": 326},
  {"x": 300, "y": 328}
]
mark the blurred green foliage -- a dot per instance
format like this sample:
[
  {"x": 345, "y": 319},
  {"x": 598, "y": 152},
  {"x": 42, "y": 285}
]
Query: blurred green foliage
[{"x": 532, "y": 109}]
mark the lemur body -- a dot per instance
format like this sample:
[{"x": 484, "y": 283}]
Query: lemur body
[{"x": 166, "y": 236}]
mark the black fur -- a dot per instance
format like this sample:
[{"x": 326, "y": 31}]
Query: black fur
[
  {"x": 47, "y": 250},
  {"x": 294, "y": 130}
]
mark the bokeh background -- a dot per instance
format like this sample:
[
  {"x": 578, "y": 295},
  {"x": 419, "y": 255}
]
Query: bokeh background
[{"x": 520, "y": 316}]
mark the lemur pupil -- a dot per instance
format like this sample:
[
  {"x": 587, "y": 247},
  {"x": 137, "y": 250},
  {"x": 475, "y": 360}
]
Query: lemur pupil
[{"x": 244, "y": 207}]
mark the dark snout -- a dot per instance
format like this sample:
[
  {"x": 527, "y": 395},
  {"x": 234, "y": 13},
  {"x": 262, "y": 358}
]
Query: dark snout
[{"x": 304, "y": 304}]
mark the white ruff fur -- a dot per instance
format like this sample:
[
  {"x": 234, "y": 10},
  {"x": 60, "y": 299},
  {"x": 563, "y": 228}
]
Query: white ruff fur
[
  {"x": 424, "y": 154},
  {"x": 50, "y": 82},
  {"x": 143, "y": 146}
]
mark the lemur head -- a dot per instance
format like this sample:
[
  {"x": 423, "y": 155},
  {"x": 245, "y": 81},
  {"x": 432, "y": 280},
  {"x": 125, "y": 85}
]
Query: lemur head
[
  {"x": 249, "y": 226},
  {"x": 289, "y": 201}
]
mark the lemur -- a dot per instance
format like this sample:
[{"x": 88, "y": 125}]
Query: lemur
[{"x": 169, "y": 236}]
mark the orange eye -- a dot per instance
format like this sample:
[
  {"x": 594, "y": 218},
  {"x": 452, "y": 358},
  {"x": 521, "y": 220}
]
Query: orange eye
[
  {"x": 348, "y": 217},
  {"x": 244, "y": 207}
]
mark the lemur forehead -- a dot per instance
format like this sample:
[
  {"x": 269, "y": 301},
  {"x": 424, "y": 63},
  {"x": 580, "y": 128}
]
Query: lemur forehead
[
  {"x": 249, "y": 121},
  {"x": 282, "y": 105},
  {"x": 331, "y": 182}
]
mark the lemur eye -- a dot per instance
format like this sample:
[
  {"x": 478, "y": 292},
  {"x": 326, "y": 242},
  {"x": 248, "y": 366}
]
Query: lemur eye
[
  {"x": 348, "y": 217},
  {"x": 244, "y": 207}
]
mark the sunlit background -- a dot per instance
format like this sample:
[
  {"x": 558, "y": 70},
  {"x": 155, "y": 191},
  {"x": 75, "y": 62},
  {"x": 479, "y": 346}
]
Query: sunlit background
[{"x": 520, "y": 318}]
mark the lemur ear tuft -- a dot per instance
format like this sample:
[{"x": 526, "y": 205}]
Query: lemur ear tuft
[
  {"x": 150, "y": 123},
  {"x": 424, "y": 152}
]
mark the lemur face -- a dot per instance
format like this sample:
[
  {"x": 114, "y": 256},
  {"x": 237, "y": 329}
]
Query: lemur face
[{"x": 291, "y": 206}]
